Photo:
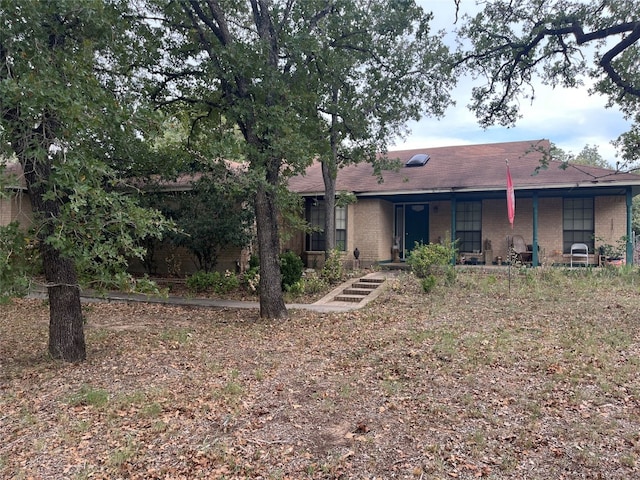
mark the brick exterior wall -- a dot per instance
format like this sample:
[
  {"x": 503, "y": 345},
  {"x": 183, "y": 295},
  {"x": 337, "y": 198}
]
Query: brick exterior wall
[
  {"x": 439, "y": 221},
  {"x": 16, "y": 207},
  {"x": 610, "y": 225},
  {"x": 610, "y": 220},
  {"x": 6, "y": 212},
  {"x": 291, "y": 239},
  {"x": 550, "y": 230},
  {"x": 496, "y": 227},
  {"x": 370, "y": 227},
  {"x": 178, "y": 261},
  {"x": 372, "y": 234}
]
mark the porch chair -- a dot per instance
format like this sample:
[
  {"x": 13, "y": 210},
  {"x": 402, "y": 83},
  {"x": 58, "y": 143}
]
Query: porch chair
[
  {"x": 581, "y": 252},
  {"x": 520, "y": 249}
]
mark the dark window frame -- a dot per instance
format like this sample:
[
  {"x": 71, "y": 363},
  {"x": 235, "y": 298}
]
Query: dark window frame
[
  {"x": 314, "y": 214},
  {"x": 469, "y": 225},
  {"x": 578, "y": 222}
]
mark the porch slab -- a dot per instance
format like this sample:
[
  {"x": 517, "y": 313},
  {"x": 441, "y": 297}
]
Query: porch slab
[{"x": 394, "y": 266}]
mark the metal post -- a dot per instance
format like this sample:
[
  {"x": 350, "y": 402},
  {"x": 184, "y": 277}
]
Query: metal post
[
  {"x": 534, "y": 256},
  {"x": 509, "y": 260},
  {"x": 629, "y": 222},
  {"x": 453, "y": 226}
]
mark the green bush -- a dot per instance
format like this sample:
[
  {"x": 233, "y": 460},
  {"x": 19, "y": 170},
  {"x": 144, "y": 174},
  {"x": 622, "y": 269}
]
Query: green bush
[
  {"x": 449, "y": 274},
  {"x": 307, "y": 285},
  {"x": 251, "y": 280},
  {"x": 200, "y": 281},
  {"x": 314, "y": 284},
  {"x": 432, "y": 261},
  {"x": 296, "y": 289},
  {"x": 291, "y": 267},
  {"x": 212, "y": 281},
  {"x": 229, "y": 282},
  {"x": 427, "y": 259},
  {"x": 254, "y": 262},
  {"x": 428, "y": 283},
  {"x": 332, "y": 271}
]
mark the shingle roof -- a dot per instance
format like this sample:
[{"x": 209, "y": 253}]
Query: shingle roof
[
  {"x": 464, "y": 168},
  {"x": 456, "y": 168}
]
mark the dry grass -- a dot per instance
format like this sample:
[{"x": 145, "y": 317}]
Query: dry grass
[{"x": 475, "y": 380}]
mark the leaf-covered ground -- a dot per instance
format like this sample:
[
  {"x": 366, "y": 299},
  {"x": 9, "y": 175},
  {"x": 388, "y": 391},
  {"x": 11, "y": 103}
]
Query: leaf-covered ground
[{"x": 539, "y": 381}]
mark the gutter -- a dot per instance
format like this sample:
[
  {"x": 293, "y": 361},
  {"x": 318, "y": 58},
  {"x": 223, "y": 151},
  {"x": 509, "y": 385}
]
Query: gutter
[
  {"x": 15, "y": 188},
  {"x": 567, "y": 186}
]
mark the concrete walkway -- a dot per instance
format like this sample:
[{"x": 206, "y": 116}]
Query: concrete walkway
[{"x": 325, "y": 304}]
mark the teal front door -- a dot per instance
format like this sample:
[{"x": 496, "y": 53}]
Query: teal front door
[{"x": 416, "y": 225}]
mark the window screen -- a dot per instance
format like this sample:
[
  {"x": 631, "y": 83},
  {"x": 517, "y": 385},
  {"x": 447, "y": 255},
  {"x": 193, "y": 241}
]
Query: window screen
[
  {"x": 577, "y": 222},
  {"x": 469, "y": 226}
]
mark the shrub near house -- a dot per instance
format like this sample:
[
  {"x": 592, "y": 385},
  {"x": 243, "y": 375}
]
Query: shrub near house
[
  {"x": 432, "y": 262},
  {"x": 216, "y": 282}
]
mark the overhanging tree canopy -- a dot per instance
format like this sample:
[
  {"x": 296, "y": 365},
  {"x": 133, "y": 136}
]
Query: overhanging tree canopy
[{"x": 559, "y": 42}]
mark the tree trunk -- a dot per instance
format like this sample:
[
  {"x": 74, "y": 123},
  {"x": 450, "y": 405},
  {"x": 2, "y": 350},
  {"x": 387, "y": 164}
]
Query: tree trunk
[
  {"x": 329, "y": 177},
  {"x": 66, "y": 332},
  {"x": 271, "y": 299}
]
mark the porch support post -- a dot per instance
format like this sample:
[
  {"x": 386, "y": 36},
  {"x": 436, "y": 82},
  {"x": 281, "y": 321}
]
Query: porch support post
[
  {"x": 534, "y": 257},
  {"x": 453, "y": 225},
  {"x": 629, "y": 230}
]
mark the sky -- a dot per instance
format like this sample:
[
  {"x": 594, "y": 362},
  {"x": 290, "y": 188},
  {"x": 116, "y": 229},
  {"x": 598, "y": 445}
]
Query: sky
[{"x": 570, "y": 118}]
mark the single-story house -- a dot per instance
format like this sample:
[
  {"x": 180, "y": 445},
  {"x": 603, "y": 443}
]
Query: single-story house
[
  {"x": 459, "y": 192},
  {"x": 435, "y": 195}
]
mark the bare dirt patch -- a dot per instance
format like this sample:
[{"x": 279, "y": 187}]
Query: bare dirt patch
[{"x": 471, "y": 381}]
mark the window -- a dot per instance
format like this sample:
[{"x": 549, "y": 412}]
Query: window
[
  {"x": 341, "y": 228},
  {"x": 469, "y": 226},
  {"x": 315, "y": 217},
  {"x": 577, "y": 222},
  {"x": 400, "y": 232}
]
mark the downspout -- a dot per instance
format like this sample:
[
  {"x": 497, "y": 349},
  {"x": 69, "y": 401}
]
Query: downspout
[
  {"x": 535, "y": 261},
  {"x": 629, "y": 223},
  {"x": 453, "y": 226}
]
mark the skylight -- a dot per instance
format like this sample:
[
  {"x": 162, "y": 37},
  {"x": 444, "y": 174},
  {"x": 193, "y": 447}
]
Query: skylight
[{"x": 418, "y": 160}]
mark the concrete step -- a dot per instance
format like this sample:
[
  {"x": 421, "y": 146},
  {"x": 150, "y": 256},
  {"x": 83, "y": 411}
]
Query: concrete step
[
  {"x": 365, "y": 285},
  {"x": 355, "y": 290},
  {"x": 361, "y": 290},
  {"x": 358, "y": 290},
  {"x": 377, "y": 280},
  {"x": 349, "y": 298}
]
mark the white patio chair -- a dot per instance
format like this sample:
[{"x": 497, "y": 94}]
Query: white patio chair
[{"x": 580, "y": 251}]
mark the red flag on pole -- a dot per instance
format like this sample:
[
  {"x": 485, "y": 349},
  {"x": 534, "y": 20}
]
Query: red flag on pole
[{"x": 511, "y": 197}]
